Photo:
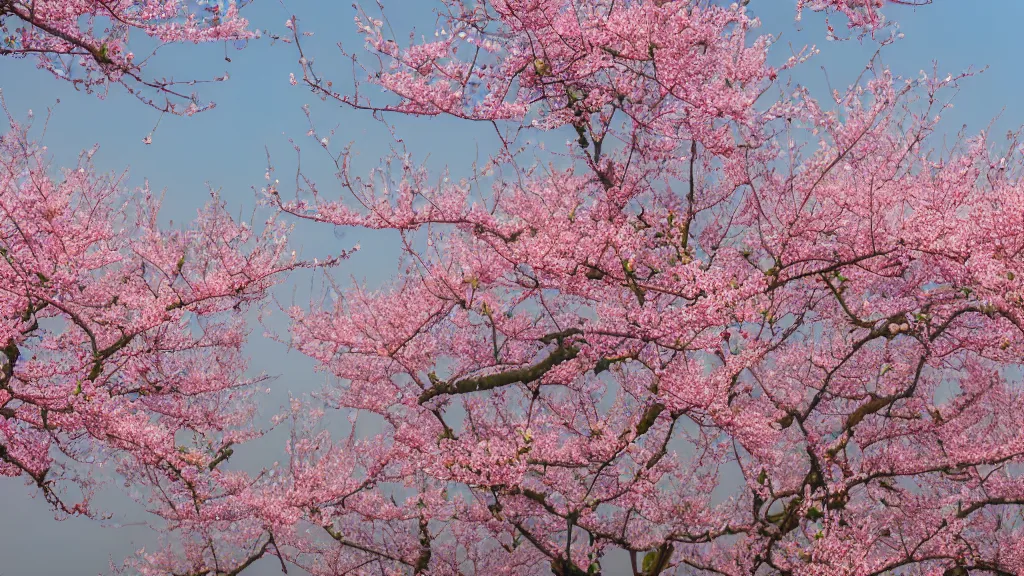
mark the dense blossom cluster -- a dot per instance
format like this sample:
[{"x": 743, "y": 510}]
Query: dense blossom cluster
[
  {"x": 121, "y": 342},
  {"x": 717, "y": 334},
  {"x": 87, "y": 41},
  {"x": 722, "y": 336}
]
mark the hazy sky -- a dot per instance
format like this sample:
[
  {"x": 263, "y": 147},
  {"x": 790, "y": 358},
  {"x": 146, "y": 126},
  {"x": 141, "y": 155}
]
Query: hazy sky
[{"x": 226, "y": 149}]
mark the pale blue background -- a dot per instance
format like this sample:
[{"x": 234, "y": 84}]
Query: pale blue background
[{"x": 224, "y": 149}]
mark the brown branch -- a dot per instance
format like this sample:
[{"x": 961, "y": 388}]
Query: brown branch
[{"x": 520, "y": 375}]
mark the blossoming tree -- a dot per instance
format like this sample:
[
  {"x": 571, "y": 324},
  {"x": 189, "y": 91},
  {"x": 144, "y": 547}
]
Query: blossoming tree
[
  {"x": 718, "y": 333},
  {"x": 722, "y": 332},
  {"x": 87, "y": 41},
  {"x": 120, "y": 342}
]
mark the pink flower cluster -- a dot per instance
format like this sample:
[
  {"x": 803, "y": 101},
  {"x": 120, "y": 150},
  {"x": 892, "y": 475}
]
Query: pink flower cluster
[
  {"x": 715, "y": 335},
  {"x": 87, "y": 42},
  {"x": 121, "y": 341}
]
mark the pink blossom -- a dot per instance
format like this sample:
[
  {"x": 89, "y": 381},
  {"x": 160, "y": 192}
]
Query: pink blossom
[{"x": 87, "y": 42}]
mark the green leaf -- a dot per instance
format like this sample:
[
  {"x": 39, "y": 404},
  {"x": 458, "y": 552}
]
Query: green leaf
[{"x": 650, "y": 560}]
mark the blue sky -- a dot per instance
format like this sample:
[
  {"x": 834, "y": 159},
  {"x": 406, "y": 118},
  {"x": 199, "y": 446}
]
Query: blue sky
[{"x": 225, "y": 149}]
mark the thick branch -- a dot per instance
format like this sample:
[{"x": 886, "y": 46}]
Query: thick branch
[{"x": 520, "y": 375}]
